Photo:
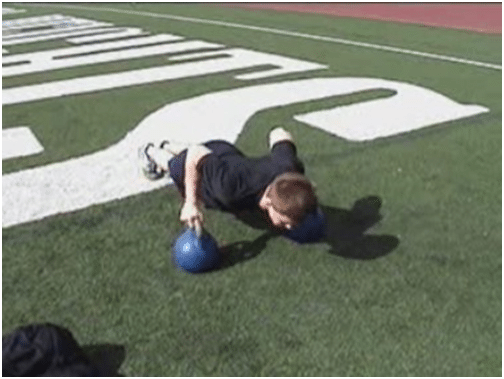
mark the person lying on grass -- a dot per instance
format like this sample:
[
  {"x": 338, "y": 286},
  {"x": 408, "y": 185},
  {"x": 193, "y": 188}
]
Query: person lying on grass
[{"x": 218, "y": 175}]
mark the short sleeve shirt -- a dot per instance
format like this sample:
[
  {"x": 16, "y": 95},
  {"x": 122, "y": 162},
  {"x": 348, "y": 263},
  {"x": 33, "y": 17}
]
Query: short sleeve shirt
[{"x": 230, "y": 181}]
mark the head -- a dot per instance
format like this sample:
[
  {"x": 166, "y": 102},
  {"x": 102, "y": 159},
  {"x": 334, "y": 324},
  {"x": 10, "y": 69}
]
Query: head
[{"x": 288, "y": 199}]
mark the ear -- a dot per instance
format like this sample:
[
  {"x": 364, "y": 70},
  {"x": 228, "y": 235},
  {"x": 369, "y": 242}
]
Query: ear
[{"x": 265, "y": 202}]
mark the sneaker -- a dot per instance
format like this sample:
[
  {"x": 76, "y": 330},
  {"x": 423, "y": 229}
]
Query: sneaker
[
  {"x": 164, "y": 145},
  {"x": 149, "y": 168},
  {"x": 174, "y": 147}
]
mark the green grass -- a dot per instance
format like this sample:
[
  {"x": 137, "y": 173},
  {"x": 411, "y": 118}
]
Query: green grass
[{"x": 429, "y": 304}]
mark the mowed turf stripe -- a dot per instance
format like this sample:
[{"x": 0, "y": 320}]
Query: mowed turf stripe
[{"x": 393, "y": 49}]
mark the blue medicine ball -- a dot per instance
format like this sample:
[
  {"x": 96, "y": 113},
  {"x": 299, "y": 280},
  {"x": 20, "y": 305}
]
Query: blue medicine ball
[
  {"x": 195, "y": 254},
  {"x": 312, "y": 229}
]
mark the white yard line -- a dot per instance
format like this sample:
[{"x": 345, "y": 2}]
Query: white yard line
[{"x": 282, "y": 32}]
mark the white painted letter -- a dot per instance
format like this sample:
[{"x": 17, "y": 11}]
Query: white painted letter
[
  {"x": 224, "y": 60},
  {"x": 411, "y": 108},
  {"x": 19, "y": 142},
  {"x": 112, "y": 174}
]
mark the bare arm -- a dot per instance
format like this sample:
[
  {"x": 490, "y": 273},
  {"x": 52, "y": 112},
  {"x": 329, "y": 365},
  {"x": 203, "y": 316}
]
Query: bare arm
[
  {"x": 191, "y": 212},
  {"x": 279, "y": 134}
]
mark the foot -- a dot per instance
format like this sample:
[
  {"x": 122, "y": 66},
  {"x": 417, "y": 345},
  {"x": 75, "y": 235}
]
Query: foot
[
  {"x": 173, "y": 147},
  {"x": 165, "y": 145},
  {"x": 150, "y": 168}
]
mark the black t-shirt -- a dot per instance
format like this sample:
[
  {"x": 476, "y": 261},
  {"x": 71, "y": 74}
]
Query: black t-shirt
[{"x": 232, "y": 182}]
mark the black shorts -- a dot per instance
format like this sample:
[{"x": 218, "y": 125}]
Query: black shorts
[{"x": 177, "y": 163}]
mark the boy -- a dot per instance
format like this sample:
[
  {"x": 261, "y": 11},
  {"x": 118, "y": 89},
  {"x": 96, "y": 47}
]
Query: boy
[{"x": 220, "y": 176}]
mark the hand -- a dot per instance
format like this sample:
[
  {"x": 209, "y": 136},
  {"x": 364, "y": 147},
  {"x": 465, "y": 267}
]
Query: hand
[{"x": 191, "y": 215}]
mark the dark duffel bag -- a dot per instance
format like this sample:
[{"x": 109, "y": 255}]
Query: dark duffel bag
[{"x": 44, "y": 350}]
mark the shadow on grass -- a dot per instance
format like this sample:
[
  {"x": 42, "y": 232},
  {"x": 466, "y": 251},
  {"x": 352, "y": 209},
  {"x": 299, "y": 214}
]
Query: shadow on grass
[
  {"x": 108, "y": 358},
  {"x": 346, "y": 231},
  {"x": 346, "y": 234},
  {"x": 242, "y": 251}
]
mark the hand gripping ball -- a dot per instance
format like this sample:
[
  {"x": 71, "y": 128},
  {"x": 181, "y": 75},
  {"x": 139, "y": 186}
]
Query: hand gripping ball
[
  {"x": 195, "y": 253},
  {"x": 312, "y": 229}
]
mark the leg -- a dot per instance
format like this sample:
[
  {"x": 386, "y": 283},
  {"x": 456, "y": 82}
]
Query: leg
[
  {"x": 174, "y": 147},
  {"x": 168, "y": 149},
  {"x": 221, "y": 147},
  {"x": 160, "y": 156},
  {"x": 154, "y": 160}
]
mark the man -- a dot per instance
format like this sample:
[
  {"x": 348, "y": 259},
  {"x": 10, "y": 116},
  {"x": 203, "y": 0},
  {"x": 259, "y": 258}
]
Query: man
[{"x": 220, "y": 176}]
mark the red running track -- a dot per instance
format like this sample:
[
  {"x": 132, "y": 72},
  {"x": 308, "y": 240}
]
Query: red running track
[{"x": 477, "y": 17}]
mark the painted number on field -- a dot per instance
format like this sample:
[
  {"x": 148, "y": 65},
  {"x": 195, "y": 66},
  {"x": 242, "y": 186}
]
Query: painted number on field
[
  {"x": 112, "y": 173},
  {"x": 19, "y": 142}
]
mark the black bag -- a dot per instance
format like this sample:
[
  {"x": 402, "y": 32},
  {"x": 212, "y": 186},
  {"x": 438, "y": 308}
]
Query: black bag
[{"x": 44, "y": 350}]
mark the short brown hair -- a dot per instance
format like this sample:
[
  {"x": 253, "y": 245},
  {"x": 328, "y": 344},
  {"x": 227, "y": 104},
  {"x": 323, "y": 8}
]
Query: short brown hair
[{"x": 292, "y": 194}]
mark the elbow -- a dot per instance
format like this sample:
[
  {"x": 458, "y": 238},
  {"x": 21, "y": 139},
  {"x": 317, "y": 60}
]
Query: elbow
[{"x": 195, "y": 154}]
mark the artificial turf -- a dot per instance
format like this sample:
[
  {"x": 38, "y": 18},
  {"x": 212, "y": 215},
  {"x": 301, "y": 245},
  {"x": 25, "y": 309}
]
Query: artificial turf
[{"x": 408, "y": 282}]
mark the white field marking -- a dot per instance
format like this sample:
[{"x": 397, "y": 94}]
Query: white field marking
[
  {"x": 4, "y": 51},
  {"x": 226, "y": 60},
  {"x": 113, "y": 174},
  {"x": 12, "y": 10},
  {"x": 286, "y": 33},
  {"x": 10, "y": 37},
  {"x": 35, "y": 20},
  {"x": 19, "y": 142},
  {"x": 55, "y": 59},
  {"x": 57, "y": 35},
  {"x": 57, "y": 20},
  {"x": 97, "y": 47},
  {"x": 127, "y": 32},
  {"x": 411, "y": 108}
]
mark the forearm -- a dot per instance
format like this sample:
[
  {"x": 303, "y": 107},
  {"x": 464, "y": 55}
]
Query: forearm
[{"x": 192, "y": 178}]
